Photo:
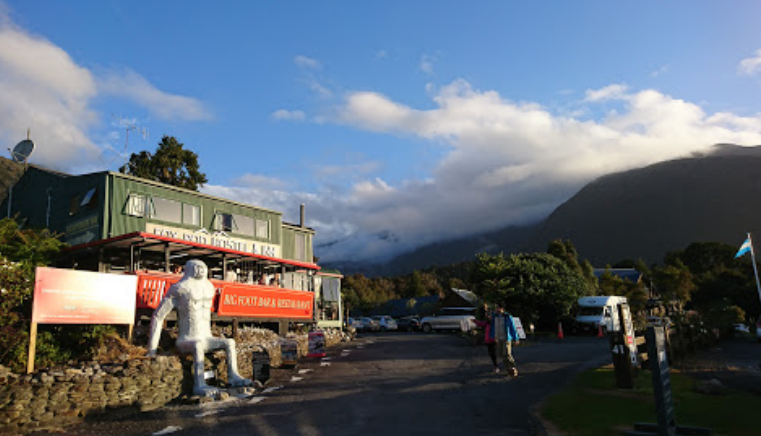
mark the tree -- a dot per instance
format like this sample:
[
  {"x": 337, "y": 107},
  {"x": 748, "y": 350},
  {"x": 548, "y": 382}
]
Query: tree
[
  {"x": 416, "y": 288},
  {"x": 566, "y": 252},
  {"x": 674, "y": 283},
  {"x": 171, "y": 164},
  {"x": 537, "y": 287}
]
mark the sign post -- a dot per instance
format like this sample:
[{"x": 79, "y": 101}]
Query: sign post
[
  {"x": 664, "y": 401},
  {"x": 623, "y": 349},
  {"x": 659, "y": 367}
]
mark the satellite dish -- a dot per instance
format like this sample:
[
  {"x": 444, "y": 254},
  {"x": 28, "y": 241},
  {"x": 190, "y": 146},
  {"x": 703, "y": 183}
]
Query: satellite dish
[{"x": 22, "y": 151}]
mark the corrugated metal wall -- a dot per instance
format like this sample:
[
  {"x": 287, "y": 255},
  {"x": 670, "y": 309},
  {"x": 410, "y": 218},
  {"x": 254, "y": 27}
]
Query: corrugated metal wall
[
  {"x": 122, "y": 223},
  {"x": 54, "y": 200},
  {"x": 289, "y": 244},
  {"x": 39, "y": 193}
]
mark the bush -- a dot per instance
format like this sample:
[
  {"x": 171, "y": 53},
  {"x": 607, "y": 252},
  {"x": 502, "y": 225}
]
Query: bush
[{"x": 21, "y": 251}]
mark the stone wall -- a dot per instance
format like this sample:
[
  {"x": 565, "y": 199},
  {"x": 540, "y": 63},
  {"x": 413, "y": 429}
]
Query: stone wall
[
  {"x": 57, "y": 397},
  {"x": 60, "y": 396}
]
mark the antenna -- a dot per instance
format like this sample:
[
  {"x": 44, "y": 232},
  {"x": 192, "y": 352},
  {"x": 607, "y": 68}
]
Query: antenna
[
  {"x": 23, "y": 149},
  {"x": 128, "y": 126}
]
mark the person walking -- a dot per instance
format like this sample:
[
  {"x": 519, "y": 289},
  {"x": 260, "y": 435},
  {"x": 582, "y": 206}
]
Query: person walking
[
  {"x": 505, "y": 334},
  {"x": 491, "y": 344}
]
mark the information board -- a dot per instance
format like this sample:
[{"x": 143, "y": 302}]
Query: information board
[{"x": 66, "y": 296}]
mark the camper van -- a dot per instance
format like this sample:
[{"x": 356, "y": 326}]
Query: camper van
[{"x": 599, "y": 311}]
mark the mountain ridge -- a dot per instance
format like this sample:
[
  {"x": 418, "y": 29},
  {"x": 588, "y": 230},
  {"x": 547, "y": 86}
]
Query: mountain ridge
[{"x": 641, "y": 213}]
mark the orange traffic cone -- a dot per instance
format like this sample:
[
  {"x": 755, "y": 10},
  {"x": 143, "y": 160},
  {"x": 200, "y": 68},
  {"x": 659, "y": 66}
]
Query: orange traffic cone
[
  {"x": 599, "y": 331},
  {"x": 560, "y": 330}
]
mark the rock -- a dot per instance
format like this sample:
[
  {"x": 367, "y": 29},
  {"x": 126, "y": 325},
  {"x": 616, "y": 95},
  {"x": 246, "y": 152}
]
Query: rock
[{"x": 711, "y": 387}]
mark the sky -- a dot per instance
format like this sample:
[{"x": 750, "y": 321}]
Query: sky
[{"x": 396, "y": 123}]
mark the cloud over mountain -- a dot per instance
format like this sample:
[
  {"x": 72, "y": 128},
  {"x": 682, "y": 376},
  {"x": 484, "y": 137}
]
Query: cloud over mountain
[{"x": 504, "y": 162}]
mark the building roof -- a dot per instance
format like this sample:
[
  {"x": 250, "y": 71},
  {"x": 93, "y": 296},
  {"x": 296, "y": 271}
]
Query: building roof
[
  {"x": 466, "y": 295},
  {"x": 398, "y": 307},
  {"x": 630, "y": 274}
]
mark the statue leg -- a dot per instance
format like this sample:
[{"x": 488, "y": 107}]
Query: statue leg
[
  {"x": 233, "y": 377},
  {"x": 199, "y": 380}
]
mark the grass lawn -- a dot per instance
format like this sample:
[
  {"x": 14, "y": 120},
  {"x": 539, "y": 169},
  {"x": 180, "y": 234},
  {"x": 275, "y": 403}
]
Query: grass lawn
[{"x": 593, "y": 406}]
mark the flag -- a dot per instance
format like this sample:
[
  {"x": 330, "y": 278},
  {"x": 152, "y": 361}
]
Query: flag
[{"x": 744, "y": 248}]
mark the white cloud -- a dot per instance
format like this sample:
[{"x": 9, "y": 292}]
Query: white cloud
[
  {"x": 610, "y": 92},
  {"x": 505, "y": 163},
  {"x": 43, "y": 88},
  {"x": 751, "y": 65},
  {"x": 426, "y": 63},
  {"x": 306, "y": 62},
  {"x": 132, "y": 86},
  {"x": 381, "y": 54},
  {"x": 660, "y": 71},
  {"x": 286, "y": 115},
  {"x": 319, "y": 89}
]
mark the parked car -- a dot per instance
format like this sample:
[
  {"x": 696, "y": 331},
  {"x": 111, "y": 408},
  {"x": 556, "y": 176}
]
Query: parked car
[
  {"x": 742, "y": 328},
  {"x": 408, "y": 323},
  {"x": 386, "y": 323},
  {"x": 450, "y": 318},
  {"x": 354, "y": 323},
  {"x": 370, "y": 325}
]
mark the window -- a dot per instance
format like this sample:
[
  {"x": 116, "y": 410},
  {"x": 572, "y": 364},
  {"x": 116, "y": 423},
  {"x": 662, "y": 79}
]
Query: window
[
  {"x": 135, "y": 205},
  {"x": 166, "y": 210},
  {"x": 224, "y": 222},
  {"x": 163, "y": 209},
  {"x": 590, "y": 311},
  {"x": 245, "y": 224},
  {"x": 90, "y": 200},
  {"x": 263, "y": 229},
  {"x": 301, "y": 246},
  {"x": 191, "y": 214}
]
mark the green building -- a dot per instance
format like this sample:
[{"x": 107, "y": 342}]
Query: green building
[{"x": 116, "y": 223}]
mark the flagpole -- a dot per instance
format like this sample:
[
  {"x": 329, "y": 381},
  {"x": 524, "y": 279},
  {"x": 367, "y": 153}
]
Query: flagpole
[{"x": 755, "y": 268}]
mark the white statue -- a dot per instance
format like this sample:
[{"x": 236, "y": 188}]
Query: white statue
[{"x": 192, "y": 296}]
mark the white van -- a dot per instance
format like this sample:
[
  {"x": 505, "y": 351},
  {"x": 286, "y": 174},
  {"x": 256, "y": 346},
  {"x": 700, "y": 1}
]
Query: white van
[
  {"x": 450, "y": 318},
  {"x": 599, "y": 311}
]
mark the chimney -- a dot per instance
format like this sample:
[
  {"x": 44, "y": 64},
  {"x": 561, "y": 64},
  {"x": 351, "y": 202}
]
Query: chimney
[{"x": 301, "y": 222}]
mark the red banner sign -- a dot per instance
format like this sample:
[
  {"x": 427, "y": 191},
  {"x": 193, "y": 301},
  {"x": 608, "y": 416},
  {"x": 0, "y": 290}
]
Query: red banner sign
[
  {"x": 65, "y": 296},
  {"x": 265, "y": 302}
]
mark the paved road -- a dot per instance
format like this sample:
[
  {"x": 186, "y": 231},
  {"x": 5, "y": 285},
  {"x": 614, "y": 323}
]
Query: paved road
[{"x": 384, "y": 384}]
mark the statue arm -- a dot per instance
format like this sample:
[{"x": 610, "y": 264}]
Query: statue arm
[{"x": 157, "y": 322}]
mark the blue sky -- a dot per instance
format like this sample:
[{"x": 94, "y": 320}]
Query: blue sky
[{"x": 396, "y": 123}]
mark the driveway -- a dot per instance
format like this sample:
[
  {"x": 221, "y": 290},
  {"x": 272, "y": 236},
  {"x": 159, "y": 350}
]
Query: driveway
[{"x": 381, "y": 384}]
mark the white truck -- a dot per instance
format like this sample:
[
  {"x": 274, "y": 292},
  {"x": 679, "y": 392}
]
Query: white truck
[{"x": 599, "y": 311}]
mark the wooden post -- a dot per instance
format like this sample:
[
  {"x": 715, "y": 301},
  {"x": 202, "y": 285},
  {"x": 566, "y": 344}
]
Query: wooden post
[
  {"x": 32, "y": 349},
  {"x": 235, "y": 329},
  {"x": 130, "y": 328},
  {"x": 167, "y": 265}
]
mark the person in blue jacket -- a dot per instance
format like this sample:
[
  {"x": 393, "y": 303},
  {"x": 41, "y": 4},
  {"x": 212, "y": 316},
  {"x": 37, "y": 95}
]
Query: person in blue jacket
[{"x": 504, "y": 332}]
